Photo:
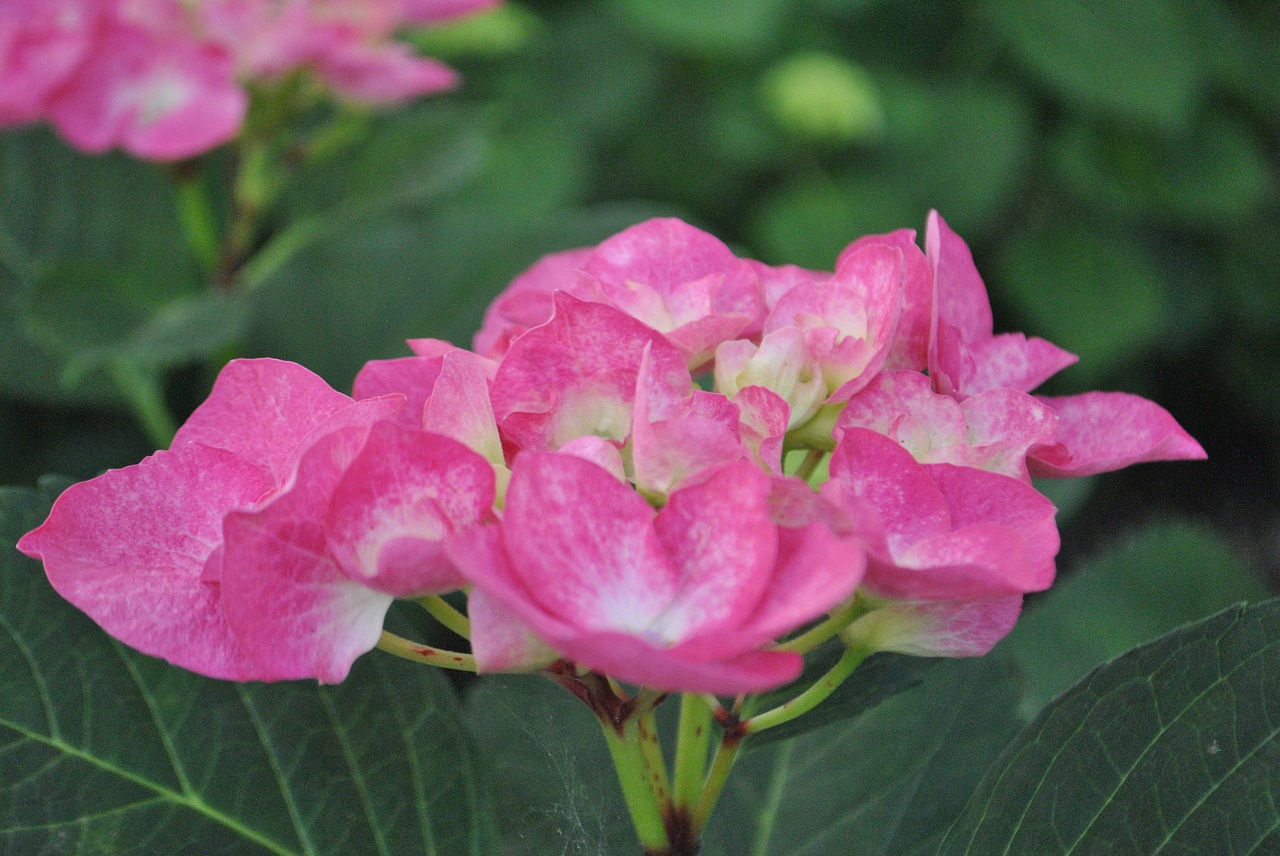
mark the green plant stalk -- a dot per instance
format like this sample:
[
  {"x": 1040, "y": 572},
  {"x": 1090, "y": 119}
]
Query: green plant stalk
[
  {"x": 441, "y": 610},
  {"x": 146, "y": 399},
  {"x": 425, "y": 654},
  {"x": 198, "y": 222},
  {"x": 634, "y": 776},
  {"x": 647, "y": 734},
  {"x": 810, "y": 464},
  {"x": 693, "y": 739},
  {"x": 813, "y": 696},
  {"x": 726, "y": 755},
  {"x": 838, "y": 620}
]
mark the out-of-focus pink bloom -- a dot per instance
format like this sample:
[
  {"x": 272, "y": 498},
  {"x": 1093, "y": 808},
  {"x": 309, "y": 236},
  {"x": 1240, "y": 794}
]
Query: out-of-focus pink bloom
[
  {"x": 163, "y": 79},
  {"x": 680, "y": 599}
]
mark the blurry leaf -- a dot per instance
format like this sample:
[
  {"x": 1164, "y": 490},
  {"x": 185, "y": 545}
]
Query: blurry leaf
[
  {"x": 961, "y": 149},
  {"x": 63, "y": 209},
  {"x": 91, "y": 315},
  {"x": 108, "y": 751},
  {"x": 408, "y": 157},
  {"x": 809, "y": 223},
  {"x": 1093, "y": 293},
  {"x": 1217, "y": 172},
  {"x": 733, "y": 28},
  {"x": 1163, "y": 577},
  {"x": 885, "y": 784},
  {"x": 1132, "y": 60},
  {"x": 881, "y": 677},
  {"x": 1169, "y": 749}
]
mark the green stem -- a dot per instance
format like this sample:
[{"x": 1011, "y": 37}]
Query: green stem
[
  {"x": 726, "y": 755},
  {"x": 634, "y": 776},
  {"x": 810, "y": 464},
  {"x": 693, "y": 739},
  {"x": 146, "y": 398},
  {"x": 812, "y": 697},
  {"x": 838, "y": 620},
  {"x": 198, "y": 221},
  {"x": 443, "y": 611},
  {"x": 651, "y": 749},
  {"x": 425, "y": 654}
]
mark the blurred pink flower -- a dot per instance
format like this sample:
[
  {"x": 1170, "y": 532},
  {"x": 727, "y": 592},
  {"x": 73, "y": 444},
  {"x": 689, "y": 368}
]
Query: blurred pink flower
[{"x": 164, "y": 79}]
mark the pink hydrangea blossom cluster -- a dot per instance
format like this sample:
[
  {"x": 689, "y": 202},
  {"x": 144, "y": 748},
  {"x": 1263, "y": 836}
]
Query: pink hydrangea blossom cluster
[
  {"x": 165, "y": 79},
  {"x": 610, "y": 476}
]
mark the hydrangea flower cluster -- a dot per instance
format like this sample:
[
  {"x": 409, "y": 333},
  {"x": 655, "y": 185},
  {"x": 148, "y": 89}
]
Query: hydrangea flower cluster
[
  {"x": 621, "y": 476},
  {"x": 164, "y": 79}
]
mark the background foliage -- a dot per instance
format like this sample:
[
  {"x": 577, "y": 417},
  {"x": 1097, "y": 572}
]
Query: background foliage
[{"x": 1113, "y": 166}]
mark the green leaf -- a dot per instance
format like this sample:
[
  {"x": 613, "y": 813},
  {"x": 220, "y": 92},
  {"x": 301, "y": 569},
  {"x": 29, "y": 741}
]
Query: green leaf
[
  {"x": 554, "y": 782},
  {"x": 1086, "y": 290},
  {"x": 1165, "y": 576},
  {"x": 1131, "y": 60},
  {"x": 91, "y": 314},
  {"x": 885, "y": 784},
  {"x": 892, "y": 777},
  {"x": 110, "y": 752},
  {"x": 1169, "y": 749},
  {"x": 734, "y": 28}
]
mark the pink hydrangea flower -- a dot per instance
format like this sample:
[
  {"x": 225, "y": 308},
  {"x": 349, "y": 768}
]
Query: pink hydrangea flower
[
  {"x": 683, "y": 598},
  {"x": 164, "y": 79},
  {"x": 278, "y": 492}
]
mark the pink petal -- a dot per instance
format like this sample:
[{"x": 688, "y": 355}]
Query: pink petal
[
  {"x": 500, "y": 641},
  {"x": 1103, "y": 431},
  {"x": 526, "y": 302},
  {"x": 284, "y": 595},
  {"x": 261, "y": 410},
  {"x": 666, "y": 253},
  {"x": 681, "y": 669},
  {"x": 1012, "y": 360},
  {"x": 576, "y": 375},
  {"x": 398, "y": 501},
  {"x": 719, "y": 537},
  {"x": 130, "y": 546},
  {"x": 959, "y": 291},
  {"x": 910, "y": 349},
  {"x": 765, "y": 417},
  {"x": 161, "y": 96},
  {"x": 459, "y": 405},
  {"x": 41, "y": 45},
  {"x": 938, "y": 628},
  {"x": 383, "y": 73},
  {"x": 412, "y": 377},
  {"x": 584, "y": 546}
]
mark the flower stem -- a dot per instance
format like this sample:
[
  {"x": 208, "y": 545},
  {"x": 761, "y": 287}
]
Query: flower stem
[
  {"x": 810, "y": 698},
  {"x": 726, "y": 755},
  {"x": 810, "y": 464},
  {"x": 692, "y": 741},
  {"x": 146, "y": 397},
  {"x": 444, "y": 612},
  {"x": 838, "y": 620},
  {"x": 634, "y": 774},
  {"x": 425, "y": 654}
]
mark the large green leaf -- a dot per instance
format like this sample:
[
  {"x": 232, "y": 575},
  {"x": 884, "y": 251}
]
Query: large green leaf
[
  {"x": 1134, "y": 60},
  {"x": 891, "y": 778},
  {"x": 1169, "y": 749},
  {"x": 106, "y": 751},
  {"x": 1164, "y": 576},
  {"x": 887, "y": 783},
  {"x": 734, "y": 28}
]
